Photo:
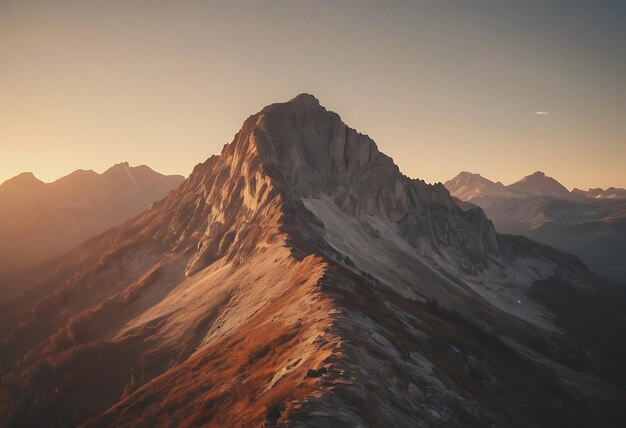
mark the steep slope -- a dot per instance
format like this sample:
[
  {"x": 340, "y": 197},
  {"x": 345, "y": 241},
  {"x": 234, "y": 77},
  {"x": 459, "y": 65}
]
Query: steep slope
[
  {"x": 292, "y": 280},
  {"x": 39, "y": 221}
]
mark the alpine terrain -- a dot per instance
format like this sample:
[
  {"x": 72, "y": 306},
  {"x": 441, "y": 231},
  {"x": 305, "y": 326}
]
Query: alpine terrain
[
  {"x": 300, "y": 279},
  {"x": 590, "y": 224}
]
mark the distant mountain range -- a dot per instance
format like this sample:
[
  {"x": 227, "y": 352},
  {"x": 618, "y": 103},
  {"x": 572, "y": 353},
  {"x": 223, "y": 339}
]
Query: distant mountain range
[
  {"x": 41, "y": 220},
  {"x": 598, "y": 193},
  {"x": 591, "y": 224}
]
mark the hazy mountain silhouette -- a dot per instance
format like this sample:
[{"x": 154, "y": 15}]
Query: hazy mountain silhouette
[{"x": 39, "y": 221}]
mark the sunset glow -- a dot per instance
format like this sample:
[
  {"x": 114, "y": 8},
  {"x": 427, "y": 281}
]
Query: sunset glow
[{"x": 443, "y": 87}]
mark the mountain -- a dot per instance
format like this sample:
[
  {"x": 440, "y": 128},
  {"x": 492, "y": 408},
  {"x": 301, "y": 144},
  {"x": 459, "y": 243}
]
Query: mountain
[
  {"x": 540, "y": 184},
  {"x": 22, "y": 188},
  {"x": 467, "y": 186},
  {"x": 39, "y": 221},
  {"x": 300, "y": 279},
  {"x": 598, "y": 193},
  {"x": 589, "y": 224}
]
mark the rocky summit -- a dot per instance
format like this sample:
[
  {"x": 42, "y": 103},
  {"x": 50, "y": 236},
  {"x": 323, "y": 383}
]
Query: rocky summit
[{"x": 300, "y": 279}]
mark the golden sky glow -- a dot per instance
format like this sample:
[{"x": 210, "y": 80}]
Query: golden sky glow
[{"x": 490, "y": 88}]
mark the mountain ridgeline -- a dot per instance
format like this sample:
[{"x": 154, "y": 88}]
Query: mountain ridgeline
[
  {"x": 300, "y": 279},
  {"x": 40, "y": 220},
  {"x": 590, "y": 224}
]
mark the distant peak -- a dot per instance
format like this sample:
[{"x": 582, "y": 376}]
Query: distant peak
[
  {"x": 537, "y": 176},
  {"x": 23, "y": 179},
  {"x": 83, "y": 172},
  {"x": 539, "y": 183},
  {"x": 117, "y": 167},
  {"x": 469, "y": 174},
  {"x": 466, "y": 176},
  {"x": 26, "y": 176},
  {"x": 467, "y": 185}
]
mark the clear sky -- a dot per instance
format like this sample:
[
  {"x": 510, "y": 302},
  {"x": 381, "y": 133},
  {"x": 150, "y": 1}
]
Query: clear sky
[{"x": 442, "y": 86}]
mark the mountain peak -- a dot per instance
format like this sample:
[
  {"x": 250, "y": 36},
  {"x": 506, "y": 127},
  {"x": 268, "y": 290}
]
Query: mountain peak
[
  {"x": 301, "y": 105},
  {"x": 119, "y": 169},
  {"x": 25, "y": 181},
  {"x": 468, "y": 185},
  {"x": 119, "y": 165},
  {"x": 472, "y": 176},
  {"x": 305, "y": 98},
  {"x": 27, "y": 175},
  {"x": 300, "y": 150},
  {"x": 538, "y": 183},
  {"x": 23, "y": 177},
  {"x": 310, "y": 151},
  {"x": 465, "y": 178}
]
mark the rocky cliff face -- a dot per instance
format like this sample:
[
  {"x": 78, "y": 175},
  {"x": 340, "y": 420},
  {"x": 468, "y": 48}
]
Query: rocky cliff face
[{"x": 291, "y": 281}]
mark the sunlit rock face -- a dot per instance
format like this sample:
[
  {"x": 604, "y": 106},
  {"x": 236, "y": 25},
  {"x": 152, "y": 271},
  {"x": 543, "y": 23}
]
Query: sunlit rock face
[{"x": 290, "y": 281}]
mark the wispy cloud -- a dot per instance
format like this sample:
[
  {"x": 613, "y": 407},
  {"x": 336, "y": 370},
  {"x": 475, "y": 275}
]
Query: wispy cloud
[{"x": 542, "y": 113}]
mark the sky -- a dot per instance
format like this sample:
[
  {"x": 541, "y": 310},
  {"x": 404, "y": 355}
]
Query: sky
[{"x": 498, "y": 88}]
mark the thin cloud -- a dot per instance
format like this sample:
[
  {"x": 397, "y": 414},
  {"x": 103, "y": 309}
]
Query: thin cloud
[{"x": 542, "y": 113}]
